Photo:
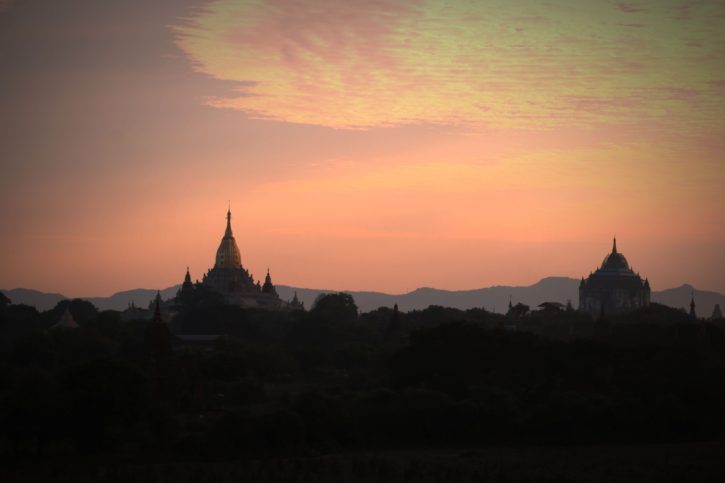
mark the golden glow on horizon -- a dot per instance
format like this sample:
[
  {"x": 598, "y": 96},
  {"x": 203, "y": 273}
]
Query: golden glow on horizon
[{"x": 548, "y": 195}]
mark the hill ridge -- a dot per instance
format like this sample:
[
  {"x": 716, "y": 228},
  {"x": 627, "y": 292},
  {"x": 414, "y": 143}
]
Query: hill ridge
[{"x": 494, "y": 298}]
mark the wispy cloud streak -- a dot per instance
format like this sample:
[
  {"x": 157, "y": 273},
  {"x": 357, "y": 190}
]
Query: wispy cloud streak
[{"x": 464, "y": 63}]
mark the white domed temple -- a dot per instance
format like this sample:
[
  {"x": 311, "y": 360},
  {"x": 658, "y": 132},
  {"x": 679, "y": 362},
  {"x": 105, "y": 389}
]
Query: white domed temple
[
  {"x": 229, "y": 278},
  {"x": 614, "y": 288}
]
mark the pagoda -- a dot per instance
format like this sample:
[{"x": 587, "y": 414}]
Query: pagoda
[
  {"x": 229, "y": 278},
  {"x": 614, "y": 288}
]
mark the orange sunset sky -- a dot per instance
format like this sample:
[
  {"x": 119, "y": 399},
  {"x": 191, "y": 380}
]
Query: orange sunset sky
[{"x": 369, "y": 145}]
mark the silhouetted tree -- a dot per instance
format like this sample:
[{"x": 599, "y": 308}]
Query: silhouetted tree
[
  {"x": 716, "y": 313},
  {"x": 4, "y": 303},
  {"x": 518, "y": 311},
  {"x": 81, "y": 310},
  {"x": 336, "y": 306}
]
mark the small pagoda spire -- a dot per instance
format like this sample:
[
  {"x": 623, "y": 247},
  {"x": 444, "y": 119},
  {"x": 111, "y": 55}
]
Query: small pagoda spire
[
  {"x": 614, "y": 244},
  {"x": 693, "y": 313},
  {"x": 66, "y": 320},
  {"x": 511, "y": 305},
  {"x": 295, "y": 304},
  {"x": 394, "y": 329},
  {"x": 187, "y": 277},
  {"x": 157, "y": 308},
  {"x": 187, "y": 287},
  {"x": 268, "y": 286}
]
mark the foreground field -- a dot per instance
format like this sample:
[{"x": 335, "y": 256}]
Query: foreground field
[{"x": 644, "y": 463}]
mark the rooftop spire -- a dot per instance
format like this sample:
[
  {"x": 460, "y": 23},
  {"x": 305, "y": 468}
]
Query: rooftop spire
[
  {"x": 228, "y": 232},
  {"x": 268, "y": 286},
  {"x": 614, "y": 244},
  {"x": 187, "y": 277}
]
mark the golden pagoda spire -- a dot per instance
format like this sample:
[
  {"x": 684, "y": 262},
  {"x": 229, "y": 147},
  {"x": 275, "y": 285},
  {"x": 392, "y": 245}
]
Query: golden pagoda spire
[
  {"x": 228, "y": 255},
  {"x": 228, "y": 232}
]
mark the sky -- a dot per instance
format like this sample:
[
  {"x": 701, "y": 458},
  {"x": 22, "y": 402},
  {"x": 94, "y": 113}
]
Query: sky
[{"x": 372, "y": 145}]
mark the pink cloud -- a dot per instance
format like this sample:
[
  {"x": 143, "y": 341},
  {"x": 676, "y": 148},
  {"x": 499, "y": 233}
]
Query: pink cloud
[
  {"x": 384, "y": 63},
  {"x": 628, "y": 7},
  {"x": 323, "y": 29}
]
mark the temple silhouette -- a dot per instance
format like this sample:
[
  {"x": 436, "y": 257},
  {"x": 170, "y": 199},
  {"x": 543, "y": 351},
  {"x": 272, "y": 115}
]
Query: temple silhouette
[
  {"x": 229, "y": 278},
  {"x": 614, "y": 288}
]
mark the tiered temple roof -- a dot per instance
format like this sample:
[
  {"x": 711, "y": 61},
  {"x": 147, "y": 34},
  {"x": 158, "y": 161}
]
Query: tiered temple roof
[{"x": 614, "y": 287}]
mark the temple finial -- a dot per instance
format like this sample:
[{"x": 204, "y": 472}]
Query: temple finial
[
  {"x": 614, "y": 244},
  {"x": 228, "y": 232},
  {"x": 187, "y": 276}
]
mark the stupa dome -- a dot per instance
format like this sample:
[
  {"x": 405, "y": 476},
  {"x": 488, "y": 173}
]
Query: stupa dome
[
  {"x": 227, "y": 255},
  {"x": 615, "y": 260}
]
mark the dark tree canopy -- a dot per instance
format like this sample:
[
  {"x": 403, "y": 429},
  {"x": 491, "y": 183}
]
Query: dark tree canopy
[
  {"x": 105, "y": 396},
  {"x": 330, "y": 380},
  {"x": 339, "y": 306},
  {"x": 81, "y": 310}
]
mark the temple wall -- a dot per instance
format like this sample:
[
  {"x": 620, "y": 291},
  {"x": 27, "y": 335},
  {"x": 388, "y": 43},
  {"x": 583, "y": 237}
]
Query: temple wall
[{"x": 615, "y": 301}]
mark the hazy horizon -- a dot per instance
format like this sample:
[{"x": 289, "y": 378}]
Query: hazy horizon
[
  {"x": 343, "y": 289},
  {"x": 380, "y": 146}
]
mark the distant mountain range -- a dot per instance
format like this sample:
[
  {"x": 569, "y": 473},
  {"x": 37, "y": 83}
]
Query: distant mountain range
[{"x": 550, "y": 289}]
